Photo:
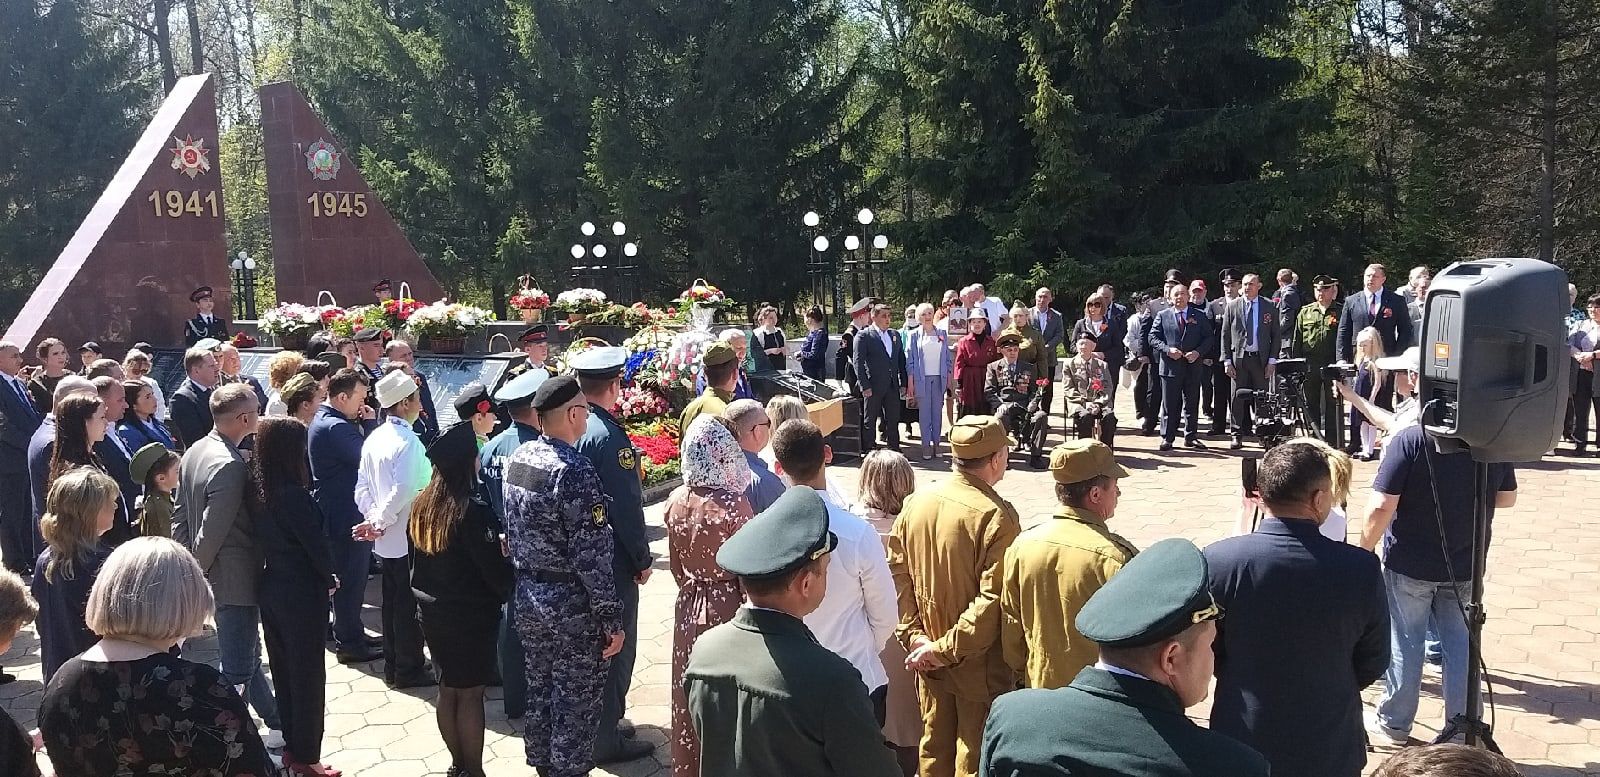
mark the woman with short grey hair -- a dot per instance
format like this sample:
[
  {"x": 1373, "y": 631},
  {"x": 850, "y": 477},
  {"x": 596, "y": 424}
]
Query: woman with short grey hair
[{"x": 159, "y": 714}]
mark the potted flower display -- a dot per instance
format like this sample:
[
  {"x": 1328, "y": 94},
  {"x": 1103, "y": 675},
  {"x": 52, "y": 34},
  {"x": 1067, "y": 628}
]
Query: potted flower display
[
  {"x": 703, "y": 300},
  {"x": 293, "y": 323},
  {"x": 445, "y": 326},
  {"x": 530, "y": 302},
  {"x": 394, "y": 314},
  {"x": 578, "y": 303}
]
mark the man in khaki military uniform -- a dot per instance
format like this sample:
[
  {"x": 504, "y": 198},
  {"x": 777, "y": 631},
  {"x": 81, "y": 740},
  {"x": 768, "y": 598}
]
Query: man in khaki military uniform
[
  {"x": 721, "y": 369},
  {"x": 1053, "y": 568},
  {"x": 1316, "y": 328},
  {"x": 945, "y": 554}
]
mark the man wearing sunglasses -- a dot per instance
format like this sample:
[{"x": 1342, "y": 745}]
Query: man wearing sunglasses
[{"x": 1154, "y": 623}]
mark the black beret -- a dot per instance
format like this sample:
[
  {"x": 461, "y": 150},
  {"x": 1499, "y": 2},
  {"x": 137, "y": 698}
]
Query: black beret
[
  {"x": 790, "y": 533},
  {"x": 367, "y": 335},
  {"x": 474, "y": 398},
  {"x": 1156, "y": 596},
  {"x": 533, "y": 334},
  {"x": 555, "y": 392},
  {"x": 459, "y": 442}
]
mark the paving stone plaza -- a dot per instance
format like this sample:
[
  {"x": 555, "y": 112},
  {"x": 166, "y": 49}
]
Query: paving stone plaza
[{"x": 1540, "y": 643}]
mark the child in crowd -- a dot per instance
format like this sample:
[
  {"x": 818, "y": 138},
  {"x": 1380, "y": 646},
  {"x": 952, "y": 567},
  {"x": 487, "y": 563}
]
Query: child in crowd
[
  {"x": 1369, "y": 382},
  {"x": 156, "y": 468},
  {"x": 79, "y": 509}
]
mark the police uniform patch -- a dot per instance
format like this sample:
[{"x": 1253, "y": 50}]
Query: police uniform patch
[
  {"x": 599, "y": 513},
  {"x": 626, "y": 458}
]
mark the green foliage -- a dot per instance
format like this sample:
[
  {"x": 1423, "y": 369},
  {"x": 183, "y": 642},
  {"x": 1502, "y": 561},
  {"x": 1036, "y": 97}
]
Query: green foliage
[{"x": 70, "y": 105}]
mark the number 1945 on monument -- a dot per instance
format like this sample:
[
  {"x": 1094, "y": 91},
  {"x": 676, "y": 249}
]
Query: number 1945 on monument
[{"x": 329, "y": 204}]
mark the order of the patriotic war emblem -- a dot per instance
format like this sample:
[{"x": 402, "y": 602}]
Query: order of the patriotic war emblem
[
  {"x": 322, "y": 159},
  {"x": 190, "y": 156}
]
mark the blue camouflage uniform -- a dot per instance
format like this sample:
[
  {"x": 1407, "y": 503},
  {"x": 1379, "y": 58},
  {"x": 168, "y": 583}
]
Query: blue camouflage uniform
[
  {"x": 561, "y": 542},
  {"x": 491, "y": 479},
  {"x": 606, "y": 445}
]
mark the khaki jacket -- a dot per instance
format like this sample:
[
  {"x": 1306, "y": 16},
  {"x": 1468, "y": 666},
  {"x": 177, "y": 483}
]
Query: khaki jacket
[
  {"x": 1049, "y": 574},
  {"x": 711, "y": 401},
  {"x": 1033, "y": 350},
  {"x": 945, "y": 553}
]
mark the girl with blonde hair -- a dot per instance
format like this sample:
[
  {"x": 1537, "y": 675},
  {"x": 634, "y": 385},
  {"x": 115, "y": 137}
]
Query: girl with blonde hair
[
  {"x": 1369, "y": 383},
  {"x": 80, "y": 507}
]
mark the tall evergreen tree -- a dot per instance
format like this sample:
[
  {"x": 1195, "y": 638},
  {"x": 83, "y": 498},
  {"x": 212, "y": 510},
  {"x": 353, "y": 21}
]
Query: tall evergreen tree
[{"x": 70, "y": 107}]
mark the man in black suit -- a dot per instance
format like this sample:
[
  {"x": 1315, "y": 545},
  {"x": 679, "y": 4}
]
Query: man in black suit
[
  {"x": 880, "y": 361},
  {"x": 113, "y": 452},
  {"x": 1376, "y": 307},
  {"x": 1289, "y": 677},
  {"x": 1180, "y": 336},
  {"x": 18, "y": 421},
  {"x": 190, "y": 406},
  {"x": 1251, "y": 338}
]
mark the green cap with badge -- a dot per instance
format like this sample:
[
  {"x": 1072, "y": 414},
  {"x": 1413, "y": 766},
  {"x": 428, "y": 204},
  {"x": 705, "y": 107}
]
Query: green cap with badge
[
  {"x": 1008, "y": 340},
  {"x": 718, "y": 353},
  {"x": 1075, "y": 461},
  {"x": 1160, "y": 593},
  {"x": 789, "y": 534},
  {"x": 143, "y": 460},
  {"x": 976, "y": 436}
]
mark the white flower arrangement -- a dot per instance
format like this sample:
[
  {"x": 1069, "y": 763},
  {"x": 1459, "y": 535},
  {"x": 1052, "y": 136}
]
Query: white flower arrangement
[
  {"x": 581, "y": 300},
  {"x": 447, "y": 319},
  {"x": 291, "y": 318}
]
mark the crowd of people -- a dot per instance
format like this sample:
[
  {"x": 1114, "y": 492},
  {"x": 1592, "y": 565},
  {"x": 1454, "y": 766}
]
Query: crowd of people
[{"x": 907, "y": 629}]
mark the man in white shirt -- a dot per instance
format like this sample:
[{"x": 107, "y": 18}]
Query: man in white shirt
[
  {"x": 858, "y": 613},
  {"x": 992, "y": 308},
  {"x": 394, "y": 469}
]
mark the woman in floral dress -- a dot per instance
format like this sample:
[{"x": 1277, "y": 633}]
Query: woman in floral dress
[{"x": 702, "y": 514}]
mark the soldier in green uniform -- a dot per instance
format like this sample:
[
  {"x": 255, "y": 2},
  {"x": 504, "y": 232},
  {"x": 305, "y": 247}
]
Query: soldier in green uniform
[
  {"x": 606, "y": 445},
  {"x": 1154, "y": 623},
  {"x": 721, "y": 368},
  {"x": 764, "y": 697},
  {"x": 515, "y": 398},
  {"x": 1316, "y": 329}
]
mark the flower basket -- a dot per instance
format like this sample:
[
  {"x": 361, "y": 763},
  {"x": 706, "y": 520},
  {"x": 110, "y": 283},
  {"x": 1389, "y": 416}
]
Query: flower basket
[
  {"x": 291, "y": 321},
  {"x": 447, "y": 344},
  {"x": 529, "y": 299},
  {"x": 581, "y": 301},
  {"x": 442, "y": 322}
]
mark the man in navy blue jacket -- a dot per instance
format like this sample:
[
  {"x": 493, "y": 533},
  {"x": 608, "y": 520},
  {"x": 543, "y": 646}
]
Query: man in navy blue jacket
[
  {"x": 1181, "y": 335},
  {"x": 18, "y": 421},
  {"x": 1307, "y": 626},
  {"x": 335, "y": 449}
]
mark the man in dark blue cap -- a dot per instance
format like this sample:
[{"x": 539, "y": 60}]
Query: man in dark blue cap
[
  {"x": 205, "y": 323},
  {"x": 558, "y": 527},
  {"x": 607, "y": 447},
  {"x": 765, "y": 698},
  {"x": 516, "y": 398},
  {"x": 1154, "y": 622},
  {"x": 534, "y": 342}
]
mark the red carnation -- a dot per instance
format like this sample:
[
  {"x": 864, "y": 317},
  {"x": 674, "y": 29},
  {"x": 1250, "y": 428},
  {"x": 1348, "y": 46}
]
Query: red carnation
[{"x": 484, "y": 406}]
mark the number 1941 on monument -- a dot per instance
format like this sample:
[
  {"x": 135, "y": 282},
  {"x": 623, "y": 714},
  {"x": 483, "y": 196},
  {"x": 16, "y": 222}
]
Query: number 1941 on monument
[
  {"x": 172, "y": 203},
  {"x": 329, "y": 204}
]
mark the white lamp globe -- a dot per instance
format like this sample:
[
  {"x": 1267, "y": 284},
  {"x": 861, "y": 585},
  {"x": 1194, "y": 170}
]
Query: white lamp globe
[
  {"x": 600, "y": 252},
  {"x": 577, "y": 252},
  {"x": 821, "y": 243},
  {"x": 880, "y": 242},
  {"x": 865, "y": 216},
  {"x": 618, "y": 228},
  {"x": 851, "y": 243},
  {"x": 812, "y": 219},
  {"x": 587, "y": 228},
  {"x": 631, "y": 249}
]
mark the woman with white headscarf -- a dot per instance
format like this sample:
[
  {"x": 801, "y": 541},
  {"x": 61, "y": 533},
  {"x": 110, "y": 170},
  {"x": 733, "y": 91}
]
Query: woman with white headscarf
[{"x": 701, "y": 515}]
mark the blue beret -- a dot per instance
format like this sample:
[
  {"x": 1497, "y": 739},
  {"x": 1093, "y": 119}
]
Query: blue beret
[
  {"x": 1161, "y": 592},
  {"x": 790, "y": 533}
]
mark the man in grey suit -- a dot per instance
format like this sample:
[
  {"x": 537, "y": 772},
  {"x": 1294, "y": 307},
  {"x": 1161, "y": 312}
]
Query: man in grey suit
[
  {"x": 213, "y": 522},
  {"x": 1250, "y": 340},
  {"x": 880, "y": 362}
]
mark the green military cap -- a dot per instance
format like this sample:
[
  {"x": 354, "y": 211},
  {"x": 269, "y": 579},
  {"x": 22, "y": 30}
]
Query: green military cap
[
  {"x": 146, "y": 457},
  {"x": 976, "y": 436},
  {"x": 1009, "y": 338},
  {"x": 1157, "y": 595},
  {"x": 791, "y": 533},
  {"x": 1075, "y": 461},
  {"x": 1323, "y": 282},
  {"x": 718, "y": 353}
]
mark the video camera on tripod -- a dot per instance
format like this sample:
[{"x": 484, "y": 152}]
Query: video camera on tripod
[{"x": 1281, "y": 415}]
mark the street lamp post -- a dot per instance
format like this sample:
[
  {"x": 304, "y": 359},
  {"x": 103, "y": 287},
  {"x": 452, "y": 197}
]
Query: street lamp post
[
  {"x": 596, "y": 272},
  {"x": 244, "y": 286},
  {"x": 855, "y": 260}
]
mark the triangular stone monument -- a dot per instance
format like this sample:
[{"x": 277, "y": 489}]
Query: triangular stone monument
[
  {"x": 155, "y": 234},
  {"x": 329, "y": 231}
]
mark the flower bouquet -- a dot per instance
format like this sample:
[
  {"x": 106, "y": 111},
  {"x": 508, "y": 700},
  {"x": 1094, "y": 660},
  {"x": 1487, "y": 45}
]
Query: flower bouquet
[
  {"x": 530, "y": 302},
  {"x": 641, "y": 403},
  {"x": 394, "y": 314},
  {"x": 577, "y": 303},
  {"x": 293, "y": 323},
  {"x": 446, "y": 325},
  {"x": 703, "y": 300},
  {"x": 658, "y": 442}
]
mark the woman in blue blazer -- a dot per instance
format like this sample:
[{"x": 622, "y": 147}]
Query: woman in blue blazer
[
  {"x": 140, "y": 426},
  {"x": 928, "y": 364}
]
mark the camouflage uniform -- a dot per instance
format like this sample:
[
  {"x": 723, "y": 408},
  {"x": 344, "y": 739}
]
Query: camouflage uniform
[{"x": 566, "y": 600}]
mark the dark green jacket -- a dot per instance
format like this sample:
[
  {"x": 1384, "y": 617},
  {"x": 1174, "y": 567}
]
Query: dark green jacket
[
  {"x": 766, "y": 700},
  {"x": 1106, "y": 724}
]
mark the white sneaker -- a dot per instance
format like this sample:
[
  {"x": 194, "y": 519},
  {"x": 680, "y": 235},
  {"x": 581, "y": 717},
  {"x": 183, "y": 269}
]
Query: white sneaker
[
  {"x": 272, "y": 738},
  {"x": 1384, "y": 735}
]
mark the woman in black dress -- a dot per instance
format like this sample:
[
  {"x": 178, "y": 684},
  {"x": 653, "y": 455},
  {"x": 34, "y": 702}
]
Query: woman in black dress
[
  {"x": 460, "y": 575},
  {"x": 294, "y": 587},
  {"x": 769, "y": 338},
  {"x": 77, "y": 514},
  {"x": 152, "y": 712}
]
